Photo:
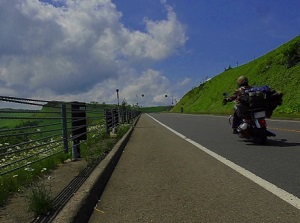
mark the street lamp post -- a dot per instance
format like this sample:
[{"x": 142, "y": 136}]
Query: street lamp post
[
  {"x": 117, "y": 90},
  {"x": 118, "y": 110},
  {"x": 137, "y": 99},
  {"x": 142, "y": 95}
]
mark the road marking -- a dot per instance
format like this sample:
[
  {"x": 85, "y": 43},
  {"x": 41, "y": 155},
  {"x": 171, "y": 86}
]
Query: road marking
[
  {"x": 282, "y": 194},
  {"x": 286, "y": 130}
]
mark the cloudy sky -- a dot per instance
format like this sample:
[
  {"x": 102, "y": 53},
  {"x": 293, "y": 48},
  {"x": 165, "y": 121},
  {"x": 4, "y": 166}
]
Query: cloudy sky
[{"x": 84, "y": 50}]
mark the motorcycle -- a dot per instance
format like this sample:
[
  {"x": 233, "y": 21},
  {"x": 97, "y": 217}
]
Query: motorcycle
[{"x": 252, "y": 124}]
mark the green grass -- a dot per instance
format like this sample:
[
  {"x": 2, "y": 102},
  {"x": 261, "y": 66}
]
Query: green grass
[
  {"x": 11, "y": 123},
  {"x": 40, "y": 200},
  {"x": 15, "y": 181},
  {"x": 278, "y": 69}
]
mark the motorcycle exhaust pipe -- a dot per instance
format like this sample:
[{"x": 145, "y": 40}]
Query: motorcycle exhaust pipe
[{"x": 229, "y": 119}]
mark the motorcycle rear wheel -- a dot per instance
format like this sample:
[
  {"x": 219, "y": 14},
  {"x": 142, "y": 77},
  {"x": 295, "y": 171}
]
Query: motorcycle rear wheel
[{"x": 260, "y": 136}]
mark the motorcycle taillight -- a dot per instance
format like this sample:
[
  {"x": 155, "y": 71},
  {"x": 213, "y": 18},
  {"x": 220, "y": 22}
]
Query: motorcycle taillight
[{"x": 262, "y": 122}]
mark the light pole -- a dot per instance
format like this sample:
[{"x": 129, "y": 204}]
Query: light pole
[
  {"x": 118, "y": 111},
  {"x": 166, "y": 97},
  {"x": 117, "y": 90},
  {"x": 137, "y": 99},
  {"x": 142, "y": 95}
]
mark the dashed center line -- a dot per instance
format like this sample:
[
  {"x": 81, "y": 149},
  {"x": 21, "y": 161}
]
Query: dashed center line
[{"x": 286, "y": 130}]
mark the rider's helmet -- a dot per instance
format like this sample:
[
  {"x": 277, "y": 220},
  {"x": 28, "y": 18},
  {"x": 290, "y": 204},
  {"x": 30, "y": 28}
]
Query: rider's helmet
[{"x": 242, "y": 81}]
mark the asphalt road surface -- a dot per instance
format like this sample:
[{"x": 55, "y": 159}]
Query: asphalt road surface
[
  {"x": 167, "y": 177},
  {"x": 277, "y": 162}
]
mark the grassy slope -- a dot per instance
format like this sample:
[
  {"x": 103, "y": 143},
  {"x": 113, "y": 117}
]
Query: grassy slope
[{"x": 270, "y": 69}]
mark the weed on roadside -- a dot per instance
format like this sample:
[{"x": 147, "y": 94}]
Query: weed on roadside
[{"x": 40, "y": 199}]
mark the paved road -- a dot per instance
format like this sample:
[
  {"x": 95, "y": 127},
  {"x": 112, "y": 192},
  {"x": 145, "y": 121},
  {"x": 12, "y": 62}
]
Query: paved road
[
  {"x": 163, "y": 178},
  {"x": 277, "y": 162}
]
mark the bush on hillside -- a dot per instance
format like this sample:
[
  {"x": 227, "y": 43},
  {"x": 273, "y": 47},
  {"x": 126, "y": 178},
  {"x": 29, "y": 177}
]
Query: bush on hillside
[{"x": 292, "y": 55}]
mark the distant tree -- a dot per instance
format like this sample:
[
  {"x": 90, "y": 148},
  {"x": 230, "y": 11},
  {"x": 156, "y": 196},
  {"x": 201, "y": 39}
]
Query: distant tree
[
  {"x": 124, "y": 104},
  {"x": 228, "y": 68}
]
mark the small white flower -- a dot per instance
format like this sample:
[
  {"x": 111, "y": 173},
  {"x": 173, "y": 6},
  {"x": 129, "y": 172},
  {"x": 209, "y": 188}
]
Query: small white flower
[
  {"x": 49, "y": 178},
  {"x": 7, "y": 144},
  {"x": 29, "y": 169},
  {"x": 38, "y": 130},
  {"x": 15, "y": 175},
  {"x": 44, "y": 169}
]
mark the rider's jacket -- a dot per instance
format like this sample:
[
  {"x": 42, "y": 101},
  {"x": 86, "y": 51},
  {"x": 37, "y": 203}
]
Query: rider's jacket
[{"x": 240, "y": 96}]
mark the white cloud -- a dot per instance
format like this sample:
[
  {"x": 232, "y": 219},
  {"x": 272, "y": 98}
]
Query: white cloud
[
  {"x": 161, "y": 39},
  {"x": 82, "y": 50},
  {"x": 148, "y": 88},
  {"x": 184, "y": 82}
]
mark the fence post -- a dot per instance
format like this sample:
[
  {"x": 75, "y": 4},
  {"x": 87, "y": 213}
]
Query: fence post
[
  {"x": 118, "y": 118},
  {"x": 106, "y": 120},
  {"x": 79, "y": 126},
  {"x": 64, "y": 127},
  {"x": 113, "y": 120}
]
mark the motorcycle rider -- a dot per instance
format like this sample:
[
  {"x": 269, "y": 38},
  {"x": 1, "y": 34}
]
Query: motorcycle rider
[{"x": 240, "y": 98}]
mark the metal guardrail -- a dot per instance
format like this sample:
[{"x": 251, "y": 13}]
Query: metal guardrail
[
  {"x": 47, "y": 128},
  {"x": 115, "y": 116}
]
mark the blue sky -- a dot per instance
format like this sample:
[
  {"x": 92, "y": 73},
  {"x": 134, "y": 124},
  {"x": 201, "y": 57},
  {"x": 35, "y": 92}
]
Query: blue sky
[
  {"x": 85, "y": 50},
  {"x": 220, "y": 32}
]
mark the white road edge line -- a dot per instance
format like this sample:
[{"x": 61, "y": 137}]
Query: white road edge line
[{"x": 282, "y": 194}]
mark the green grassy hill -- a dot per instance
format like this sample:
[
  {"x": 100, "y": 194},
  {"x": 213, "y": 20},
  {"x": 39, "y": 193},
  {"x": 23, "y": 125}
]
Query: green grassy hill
[{"x": 279, "y": 69}]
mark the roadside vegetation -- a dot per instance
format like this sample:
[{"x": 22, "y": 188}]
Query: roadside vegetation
[
  {"x": 31, "y": 166},
  {"x": 279, "y": 69}
]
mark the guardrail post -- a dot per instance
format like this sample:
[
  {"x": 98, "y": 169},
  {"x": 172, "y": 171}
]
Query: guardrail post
[
  {"x": 106, "y": 120},
  {"x": 64, "y": 127},
  {"x": 75, "y": 146},
  {"x": 113, "y": 120}
]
